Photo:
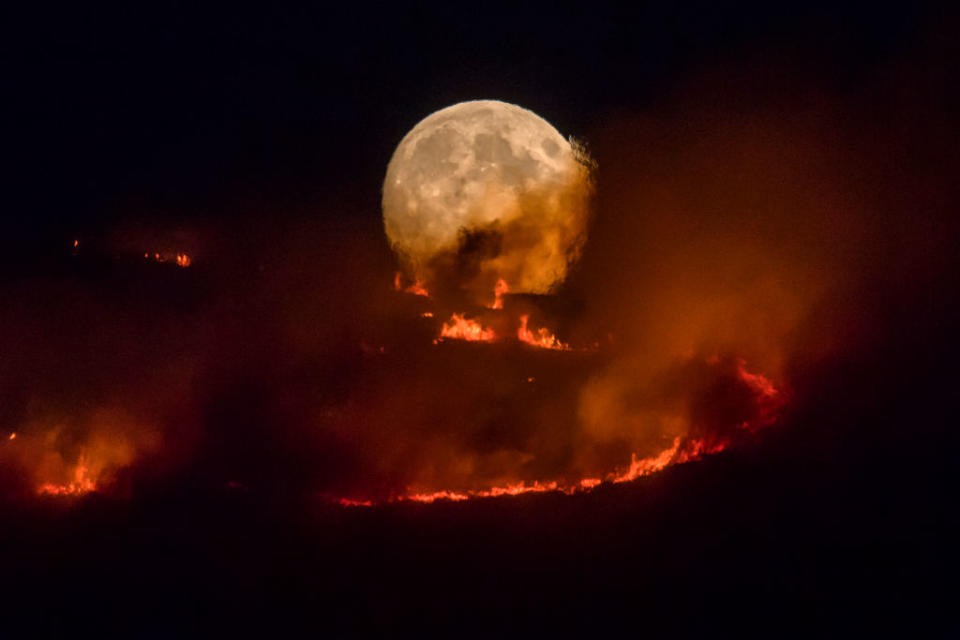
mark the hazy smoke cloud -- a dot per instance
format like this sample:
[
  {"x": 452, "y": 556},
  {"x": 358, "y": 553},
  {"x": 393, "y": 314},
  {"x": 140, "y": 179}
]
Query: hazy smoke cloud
[{"x": 731, "y": 238}]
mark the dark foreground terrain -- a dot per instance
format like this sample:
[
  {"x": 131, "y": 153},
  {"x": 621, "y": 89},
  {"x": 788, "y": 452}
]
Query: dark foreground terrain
[{"x": 840, "y": 521}]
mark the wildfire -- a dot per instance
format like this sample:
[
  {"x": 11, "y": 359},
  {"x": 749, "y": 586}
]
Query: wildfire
[
  {"x": 645, "y": 466},
  {"x": 493, "y": 492},
  {"x": 82, "y": 482},
  {"x": 679, "y": 452},
  {"x": 498, "y": 291},
  {"x": 418, "y": 288},
  {"x": 461, "y": 328},
  {"x": 542, "y": 338},
  {"x": 347, "y": 502},
  {"x": 181, "y": 259},
  {"x": 683, "y": 449}
]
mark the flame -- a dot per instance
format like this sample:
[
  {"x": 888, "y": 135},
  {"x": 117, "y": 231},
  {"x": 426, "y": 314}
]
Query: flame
[
  {"x": 348, "y": 502},
  {"x": 418, "y": 288},
  {"x": 543, "y": 338},
  {"x": 82, "y": 482},
  {"x": 639, "y": 467},
  {"x": 13, "y": 436},
  {"x": 683, "y": 449},
  {"x": 679, "y": 452},
  {"x": 493, "y": 492},
  {"x": 61, "y": 466},
  {"x": 182, "y": 259},
  {"x": 461, "y": 328},
  {"x": 645, "y": 466},
  {"x": 498, "y": 291}
]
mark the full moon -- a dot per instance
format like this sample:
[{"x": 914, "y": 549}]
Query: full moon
[{"x": 490, "y": 190}]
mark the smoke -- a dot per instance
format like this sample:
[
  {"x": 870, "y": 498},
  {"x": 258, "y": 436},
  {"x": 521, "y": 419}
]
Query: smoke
[{"x": 733, "y": 245}]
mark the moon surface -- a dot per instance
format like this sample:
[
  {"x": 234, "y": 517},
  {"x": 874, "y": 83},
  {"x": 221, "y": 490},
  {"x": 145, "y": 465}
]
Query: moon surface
[{"x": 491, "y": 185}]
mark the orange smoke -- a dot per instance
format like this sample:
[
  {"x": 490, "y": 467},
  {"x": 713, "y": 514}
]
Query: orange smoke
[
  {"x": 72, "y": 457},
  {"x": 80, "y": 484},
  {"x": 765, "y": 401},
  {"x": 418, "y": 288},
  {"x": 682, "y": 450}
]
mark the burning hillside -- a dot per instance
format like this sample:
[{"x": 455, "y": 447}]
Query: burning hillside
[
  {"x": 304, "y": 333},
  {"x": 719, "y": 266}
]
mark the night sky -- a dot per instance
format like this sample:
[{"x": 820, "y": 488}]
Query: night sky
[
  {"x": 184, "y": 114},
  {"x": 816, "y": 143}
]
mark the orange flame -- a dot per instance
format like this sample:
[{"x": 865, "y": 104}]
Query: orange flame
[
  {"x": 678, "y": 453},
  {"x": 498, "y": 291},
  {"x": 348, "y": 502},
  {"x": 182, "y": 259},
  {"x": 543, "y": 338},
  {"x": 682, "y": 450},
  {"x": 461, "y": 328},
  {"x": 639, "y": 467},
  {"x": 418, "y": 288},
  {"x": 82, "y": 482}
]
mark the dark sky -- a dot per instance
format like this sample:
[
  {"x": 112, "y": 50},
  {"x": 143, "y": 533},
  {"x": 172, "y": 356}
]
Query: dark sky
[
  {"x": 178, "y": 113},
  {"x": 229, "y": 120}
]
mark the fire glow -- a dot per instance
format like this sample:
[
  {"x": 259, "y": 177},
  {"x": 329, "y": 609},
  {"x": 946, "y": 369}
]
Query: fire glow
[
  {"x": 81, "y": 483},
  {"x": 682, "y": 449},
  {"x": 417, "y": 288},
  {"x": 180, "y": 259},
  {"x": 462, "y": 328},
  {"x": 499, "y": 290},
  {"x": 542, "y": 338}
]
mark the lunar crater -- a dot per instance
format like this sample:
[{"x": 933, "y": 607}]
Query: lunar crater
[{"x": 478, "y": 166}]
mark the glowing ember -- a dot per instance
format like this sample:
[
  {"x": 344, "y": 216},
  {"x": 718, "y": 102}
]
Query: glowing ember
[
  {"x": 418, "y": 288},
  {"x": 542, "y": 338},
  {"x": 683, "y": 449},
  {"x": 461, "y": 328},
  {"x": 181, "y": 259},
  {"x": 498, "y": 292},
  {"x": 13, "y": 436},
  {"x": 646, "y": 466},
  {"x": 493, "y": 492},
  {"x": 678, "y": 453},
  {"x": 347, "y": 502},
  {"x": 82, "y": 483}
]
